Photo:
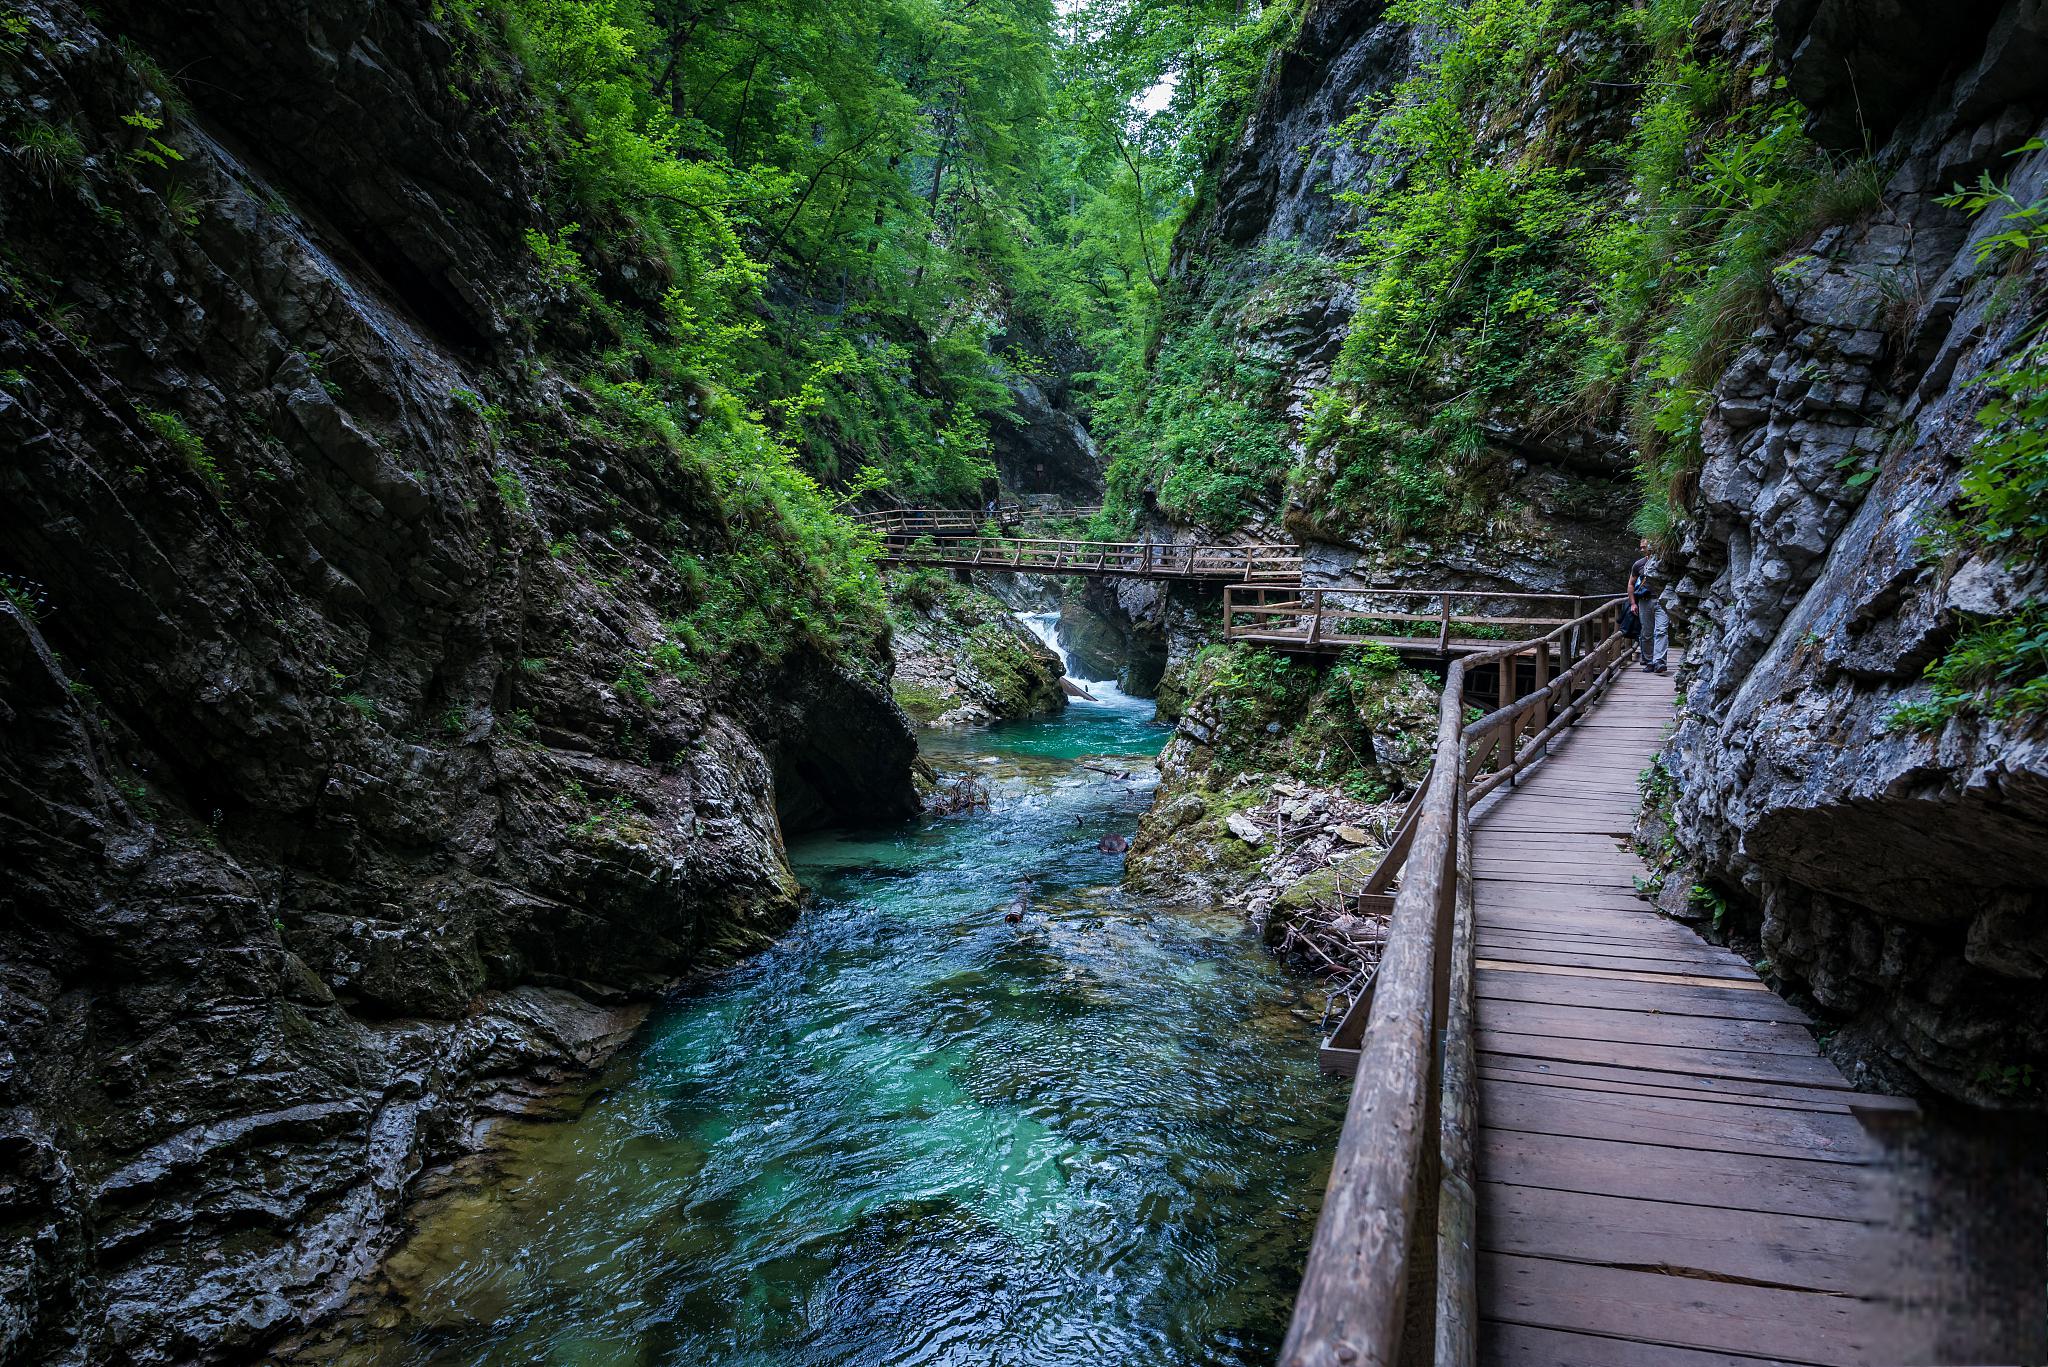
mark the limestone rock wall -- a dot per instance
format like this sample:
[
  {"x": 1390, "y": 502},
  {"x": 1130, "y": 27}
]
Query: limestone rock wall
[
  {"x": 1896, "y": 876},
  {"x": 338, "y": 805},
  {"x": 963, "y": 659}
]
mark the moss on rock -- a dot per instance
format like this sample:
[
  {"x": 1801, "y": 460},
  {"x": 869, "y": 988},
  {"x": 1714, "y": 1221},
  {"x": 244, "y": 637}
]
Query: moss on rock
[
  {"x": 1295, "y": 745},
  {"x": 962, "y": 657}
]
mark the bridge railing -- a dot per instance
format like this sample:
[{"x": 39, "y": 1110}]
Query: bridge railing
[
  {"x": 1391, "y": 1274},
  {"x": 1331, "y": 618},
  {"x": 1273, "y": 564},
  {"x": 937, "y": 521}
]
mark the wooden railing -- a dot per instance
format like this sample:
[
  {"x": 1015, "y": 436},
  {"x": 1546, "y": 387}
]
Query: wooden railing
[
  {"x": 937, "y": 521},
  {"x": 1269, "y": 564},
  {"x": 1332, "y": 618},
  {"x": 1390, "y": 1276},
  {"x": 961, "y": 521}
]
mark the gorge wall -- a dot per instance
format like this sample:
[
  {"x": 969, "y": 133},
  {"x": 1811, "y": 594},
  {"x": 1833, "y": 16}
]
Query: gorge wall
[
  {"x": 354, "y": 778},
  {"x": 1800, "y": 423},
  {"x": 1893, "y": 871}
]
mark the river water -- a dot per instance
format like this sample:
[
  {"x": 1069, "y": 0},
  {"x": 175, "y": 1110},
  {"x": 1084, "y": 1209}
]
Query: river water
[{"x": 915, "y": 1132}]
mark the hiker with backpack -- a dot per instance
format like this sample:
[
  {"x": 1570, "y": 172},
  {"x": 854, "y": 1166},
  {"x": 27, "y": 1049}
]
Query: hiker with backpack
[{"x": 1653, "y": 629}]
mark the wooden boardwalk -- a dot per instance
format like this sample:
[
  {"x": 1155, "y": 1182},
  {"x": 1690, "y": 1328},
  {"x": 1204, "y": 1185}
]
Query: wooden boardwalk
[
  {"x": 1222, "y": 564},
  {"x": 1668, "y": 1170}
]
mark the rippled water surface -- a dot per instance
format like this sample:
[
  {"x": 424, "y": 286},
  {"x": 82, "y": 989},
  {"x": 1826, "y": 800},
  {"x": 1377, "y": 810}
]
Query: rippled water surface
[{"x": 915, "y": 1133}]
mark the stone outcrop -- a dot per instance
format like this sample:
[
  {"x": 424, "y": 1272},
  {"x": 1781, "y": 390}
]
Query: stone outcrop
[
  {"x": 963, "y": 659},
  {"x": 1044, "y": 447},
  {"x": 1043, "y": 451},
  {"x": 1265, "y": 745},
  {"x": 340, "y": 804},
  {"x": 1893, "y": 874}
]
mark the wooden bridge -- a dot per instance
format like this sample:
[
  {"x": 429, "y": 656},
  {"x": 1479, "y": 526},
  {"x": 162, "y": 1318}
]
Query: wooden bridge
[
  {"x": 953, "y": 539},
  {"x": 1578, "y": 1132},
  {"x": 1424, "y": 621}
]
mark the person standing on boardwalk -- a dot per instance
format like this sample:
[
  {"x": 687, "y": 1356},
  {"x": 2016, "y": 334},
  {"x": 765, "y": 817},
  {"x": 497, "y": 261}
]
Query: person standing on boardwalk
[{"x": 1653, "y": 636}]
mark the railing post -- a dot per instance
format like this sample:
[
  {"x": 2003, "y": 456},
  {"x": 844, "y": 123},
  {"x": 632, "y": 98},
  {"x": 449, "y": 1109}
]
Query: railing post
[
  {"x": 1315, "y": 622},
  {"x": 1443, "y": 634},
  {"x": 1511, "y": 692}
]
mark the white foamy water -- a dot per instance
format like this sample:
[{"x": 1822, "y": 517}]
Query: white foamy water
[{"x": 1099, "y": 692}]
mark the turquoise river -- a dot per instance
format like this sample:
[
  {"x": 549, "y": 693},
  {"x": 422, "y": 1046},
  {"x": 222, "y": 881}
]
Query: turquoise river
[{"x": 914, "y": 1132}]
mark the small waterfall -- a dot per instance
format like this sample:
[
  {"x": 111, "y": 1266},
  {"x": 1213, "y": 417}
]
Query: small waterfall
[{"x": 1101, "y": 692}]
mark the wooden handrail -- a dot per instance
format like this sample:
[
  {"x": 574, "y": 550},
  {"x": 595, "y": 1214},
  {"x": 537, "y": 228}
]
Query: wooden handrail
[
  {"x": 1264, "y": 565},
  {"x": 1323, "y": 618},
  {"x": 1404, "y": 1162}
]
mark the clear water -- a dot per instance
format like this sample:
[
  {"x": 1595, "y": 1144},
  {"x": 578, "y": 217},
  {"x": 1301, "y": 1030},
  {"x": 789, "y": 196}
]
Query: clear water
[{"x": 915, "y": 1133}]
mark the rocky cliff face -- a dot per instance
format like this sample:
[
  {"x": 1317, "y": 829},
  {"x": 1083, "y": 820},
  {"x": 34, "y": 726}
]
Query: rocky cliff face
[
  {"x": 1263, "y": 258},
  {"x": 340, "y": 802},
  {"x": 1894, "y": 874}
]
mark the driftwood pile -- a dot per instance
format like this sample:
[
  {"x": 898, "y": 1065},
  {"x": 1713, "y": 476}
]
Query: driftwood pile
[{"x": 1306, "y": 830}]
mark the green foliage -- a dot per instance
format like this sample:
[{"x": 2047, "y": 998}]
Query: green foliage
[
  {"x": 922, "y": 588},
  {"x": 50, "y": 153},
  {"x": 185, "y": 442},
  {"x": 882, "y": 156},
  {"x": 1709, "y": 900},
  {"x": 26, "y": 595},
  {"x": 1279, "y": 714},
  {"x": 1656, "y": 784},
  {"x": 1147, "y": 96},
  {"x": 2023, "y": 228},
  {"x": 14, "y": 32},
  {"x": 1527, "y": 275},
  {"x": 921, "y": 704},
  {"x": 633, "y": 682},
  {"x": 1998, "y": 666},
  {"x": 473, "y": 403},
  {"x": 150, "y": 150},
  {"x": 1536, "y": 285},
  {"x": 611, "y": 816},
  {"x": 511, "y": 489},
  {"x": 2010, "y": 1081},
  {"x": 1200, "y": 426}
]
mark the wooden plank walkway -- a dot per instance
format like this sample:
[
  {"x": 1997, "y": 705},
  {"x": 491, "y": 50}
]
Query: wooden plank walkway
[{"x": 1669, "y": 1170}]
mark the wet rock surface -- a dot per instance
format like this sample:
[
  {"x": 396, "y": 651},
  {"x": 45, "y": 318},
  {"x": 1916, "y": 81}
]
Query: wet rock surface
[
  {"x": 1893, "y": 874},
  {"x": 963, "y": 659},
  {"x": 341, "y": 809}
]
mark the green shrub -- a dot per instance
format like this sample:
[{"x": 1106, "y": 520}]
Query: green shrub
[
  {"x": 511, "y": 489},
  {"x": 1998, "y": 666},
  {"x": 50, "y": 153},
  {"x": 182, "y": 440}
]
